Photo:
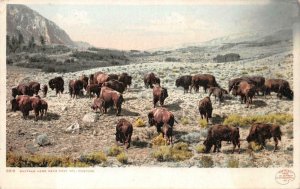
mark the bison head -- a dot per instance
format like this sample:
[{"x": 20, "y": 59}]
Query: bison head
[
  {"x": 208, "y": 144},
  {"x": 177, "y": 83},
  {"x": 52, "y": 84},
  {"x": 14, "y": 92},
  {"x": 14, "y": 105},
  {"x": 288, "y": 93}
]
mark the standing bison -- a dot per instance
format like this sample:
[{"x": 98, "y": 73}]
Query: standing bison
[
  {"x": 85, "y": 81},
  {"x": 110, "y": 98},
  {"x": 150, "y": 79},
  {"x": 259, "y": 132},
  {"x": 21, "y": 89},
  {"x": 280, "y": 86},
  {"x": 257, "y": 81},
  {"x": 57, "y": 83},
  {"x": 185, "y": 82},
  {"x": 218, "y": 133},
  {"x": 25, "y": 103},
  {"x": 159, "y": 94},
  {"x": 205, "y": 109},
  {"x": 126, "y": 79},
  {"x": 93, "y": 89},
  {"x": 204, "y": 80},
  {"x": 246, "y": 91},
  {"x": 75, "y": 87},
  {"x": 217, "y": 92},
  {"x": 159, "y": 117},
  {"x": 124, "y": 131},
  {"x": 34, "y": 87}
]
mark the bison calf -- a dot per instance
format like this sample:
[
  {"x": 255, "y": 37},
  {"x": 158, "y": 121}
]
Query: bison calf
[
  {"x": 124, "y": 131},
  {"x": 218, "y": 93},
  {"x": 218, "y": 133},
  {"x": 159, "y": 94},
  {"x": 205, "y": 109},
  {"x": 259, "y": 132}
]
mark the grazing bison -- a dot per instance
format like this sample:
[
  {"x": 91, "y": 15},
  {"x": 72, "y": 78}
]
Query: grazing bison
[
  {"x": 167, "y": 132},
  {"x": 126, "y": 79},
  {"x": 34, "y": 87},
  {"x": 185, "y": 82},
  {"x": 205, "y": 109},
  {"x": 245, "y": 90},
  {"x": 259, "y": 132},
  {"x": 159, "y": 94},
  {"x": 75, "y": 86},
  {"x": 150, "y": 79},
  {"x": 98, "y": 104},
  {"x": 159, "y": 117},
  {"x": 45, "y": 90},
  {"x": 57, "y": 83},
  {"x": 25, "y": 103},
  {"x": 124, "y": 131},
  {"x": 85, "y": 81},
  {"x": 111, "y": 98},
  {"x": 204, "y": 80},
  {"x": 93, "y": 89},
  {"x": 217, "y": 92},
  {"x": 115, "y": 85},
  {"x": 218, "y": 133},
  {"x": 280, "y": 86}
]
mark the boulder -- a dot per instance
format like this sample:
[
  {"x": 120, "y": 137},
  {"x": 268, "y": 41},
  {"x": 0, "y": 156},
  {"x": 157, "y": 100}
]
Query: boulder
[
  {"x": 90, "y": 117},
  {"x": 193, "y": 137},
  {"x": 73, "y": 128},
  {"x": 42, "y": 140}
]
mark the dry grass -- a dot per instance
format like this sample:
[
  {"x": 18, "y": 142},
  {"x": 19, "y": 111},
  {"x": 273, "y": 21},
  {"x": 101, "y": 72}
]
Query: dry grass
[
  {"x": 122, "y": 158},
  {"x": 236, "y": 120},
  {"x": 202, "y": 123},
  {"x": 115, "y": 150},
  {"x": 233, "y": 162},
  {"x": 206, "y": 161},
  {"x": 139, "y": 122},
  {"x": 179, "y": 152},
  {"x": 255, "y": 146},
  {"x": 184, "y": 120},
  {"x": 159, "y": 141},
  {"x": 200, "y": 148}
]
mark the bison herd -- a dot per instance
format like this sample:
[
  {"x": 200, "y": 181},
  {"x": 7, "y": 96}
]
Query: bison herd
[{"x": 109, "y": 89}]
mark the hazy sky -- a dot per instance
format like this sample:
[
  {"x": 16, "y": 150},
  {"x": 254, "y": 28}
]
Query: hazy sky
[{"x": 134, "y": 26}]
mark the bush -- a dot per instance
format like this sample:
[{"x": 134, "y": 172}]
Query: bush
[
  {"x": 115, "y": 150},
  {"x": 139, "y": 122},
  {"x": 203, "y": 123},
  {"x": 255, "y": 146},
  {"x": 232, "y": 163},
  {"x": 94, "y": 158},
  {"x": 48, "y": 69},
  {"x": 179, "y": 152},
  {"x": 206, "y": 161},
  {"x": 172, "y": 59},
  {"x": 122, "y": 158},
  {"x": 200, "y": 148},
  {"x": 159, "y": 141},
  {"x": 184, "y": 120},
  {"x": 236, "y": 120},
  {"x": 227, "y": 57}
]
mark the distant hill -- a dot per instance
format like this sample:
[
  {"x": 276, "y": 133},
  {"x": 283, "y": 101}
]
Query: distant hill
[{"x": 30, "y": 23}]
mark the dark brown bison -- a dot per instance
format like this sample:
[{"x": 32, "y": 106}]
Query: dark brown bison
[
  {"x": 34, "y": 87},
  {"x": 218, "y": 133},
  {"x": 246, "y": 91},
  {"x": 115, "y": 85},
  {"x": 280, "y": 86},
  {"x": 98, "y": 104},
  {"x": 85, "y": 81},
  {"x": 111, "y": 98},
  {"x": 93, "y": 89},
  {"x": 91, "y": 79},
  {"x": 205, "y": 109},
  {"x": 159, "y": 117},
  {"x": 150, "y": 79},
  {"x": 236, "y": 81},
  {"x": 259, "y": 132},
  {"x": 45, "y": 90},
  {"x": 124, "y": 131},
  {"x": 159, "y": 94},
  {"x": 25, "y": 103},
  {"x": 257, "y": 81},
  {"x": 21, "y": 89},
  {"x": 57, "y": 83},
  {"x": 44, "y": 108},
  {"x": 185, "y": 82},
  {"x": 75, "y": 87},
  {"x": 217, "y": 92},
  {"x": 204, "y": 80},
  {"x": 167, "y": 132},
  {"x": 126, "y": 79}
]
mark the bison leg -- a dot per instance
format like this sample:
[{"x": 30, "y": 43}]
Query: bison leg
[
  {"x": 154, "y": 101},
  {"x": 276, "y": 143}
]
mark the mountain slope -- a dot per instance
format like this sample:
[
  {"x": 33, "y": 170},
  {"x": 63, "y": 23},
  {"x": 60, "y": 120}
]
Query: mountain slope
[{"x": 22, "y": 19}]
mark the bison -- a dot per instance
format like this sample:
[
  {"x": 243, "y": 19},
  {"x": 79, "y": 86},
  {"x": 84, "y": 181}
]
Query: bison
[
  {"x": 245, "y": 90},
  {"x": 126, "y": 79},
  {"x": 98, "y": 104},
  {"x": 205, "y": 109},
  {"x": 280, "y": 86},
  {"x": 124, "y": 131},
  {"x": 85, "y": 81},
  {"x": 114, "y": 76},
  {"x": 257, "y": 81},
  {"x": 34, "y": 87},
  {"x": 25, "y": 103},
  {"x": 93, "y": 89},
  {"x": 218, "y": 133},
  {"x": 45, "y": 90},
  {"x": 111, "y": 98},
  {"x": 259, "y": 132},
  {"x": 75, "y": 86},
  {"x": 185, "y": 82},
  {"x": 116, "y": 85},
  {"x": 21, "y": 89},
  {"x": 159, "y": 94},
  {"x": 218, "y": 93},
  {"x": 101, "y": 78},
  {"x": 159, "y": 117},
  {"x": 150, "y": 79},
  {"x": 204, "y": 80},
  {"x": 57, "y": 83}
]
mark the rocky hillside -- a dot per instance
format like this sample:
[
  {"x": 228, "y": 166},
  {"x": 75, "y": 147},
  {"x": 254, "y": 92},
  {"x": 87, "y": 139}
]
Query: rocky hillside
[{"x": 21, "y": 19}]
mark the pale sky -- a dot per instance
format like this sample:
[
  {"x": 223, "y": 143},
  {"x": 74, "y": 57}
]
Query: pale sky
[{"x": 134, "y": 26}]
